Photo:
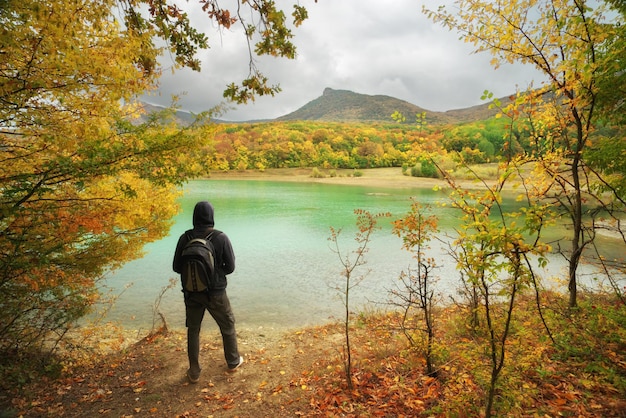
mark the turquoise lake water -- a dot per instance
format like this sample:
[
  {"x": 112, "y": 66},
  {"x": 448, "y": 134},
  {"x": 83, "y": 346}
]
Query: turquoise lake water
[{"x": 287, "y": 274}]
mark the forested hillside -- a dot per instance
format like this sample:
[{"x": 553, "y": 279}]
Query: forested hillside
[
  {"x": 351, "y": 145},
  {"x": 343, "y": 129}
]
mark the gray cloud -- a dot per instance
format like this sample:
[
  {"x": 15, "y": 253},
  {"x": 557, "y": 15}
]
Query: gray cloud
[{"x": 366, "y": 46}]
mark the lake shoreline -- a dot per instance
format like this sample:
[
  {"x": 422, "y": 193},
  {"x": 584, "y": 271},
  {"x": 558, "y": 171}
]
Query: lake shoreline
[{"x": 389, "y": 177}]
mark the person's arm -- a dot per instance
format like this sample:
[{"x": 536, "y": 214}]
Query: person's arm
[
  {"x": 228, "y": 255},
  {"x": 176, "y": 263}
]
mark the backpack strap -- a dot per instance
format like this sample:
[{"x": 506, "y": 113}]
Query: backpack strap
[
  {"x": 190, "y": 235},
  {"x": 214, "y": 232}
]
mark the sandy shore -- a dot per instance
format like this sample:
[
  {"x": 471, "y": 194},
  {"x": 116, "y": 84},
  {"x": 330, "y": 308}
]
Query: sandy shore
[{"x": 374, "y": 177}]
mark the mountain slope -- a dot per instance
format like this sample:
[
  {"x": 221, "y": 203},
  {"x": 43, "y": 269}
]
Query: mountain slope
[
  {"x": 181, "y": 117},
  {"x": 346, "y": 106}
]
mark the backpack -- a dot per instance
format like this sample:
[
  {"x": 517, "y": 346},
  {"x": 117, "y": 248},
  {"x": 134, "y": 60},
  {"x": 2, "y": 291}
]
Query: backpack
[{"x": 198, "y": 265}]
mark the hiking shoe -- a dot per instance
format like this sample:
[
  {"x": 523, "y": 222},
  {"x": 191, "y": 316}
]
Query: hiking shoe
[
  {"x": 233, "y": 368},
  {"x": 192, "y": 379}
]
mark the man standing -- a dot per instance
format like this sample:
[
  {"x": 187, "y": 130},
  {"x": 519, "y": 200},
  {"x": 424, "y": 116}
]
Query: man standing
[{"x": 215, "y": 300}]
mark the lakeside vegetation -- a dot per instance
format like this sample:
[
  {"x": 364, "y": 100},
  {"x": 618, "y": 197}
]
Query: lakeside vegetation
[
  {"x": 580, "y": 372},
  {"x": 333, "y": 145},
  {"x": 301, "y": 372}
]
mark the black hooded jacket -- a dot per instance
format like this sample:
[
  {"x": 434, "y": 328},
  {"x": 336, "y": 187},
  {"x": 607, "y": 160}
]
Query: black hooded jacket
[{"x": 203, "y": 224}]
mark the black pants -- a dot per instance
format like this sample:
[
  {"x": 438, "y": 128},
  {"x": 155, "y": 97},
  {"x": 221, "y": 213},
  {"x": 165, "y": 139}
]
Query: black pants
[{"x": 218, "y": 306}]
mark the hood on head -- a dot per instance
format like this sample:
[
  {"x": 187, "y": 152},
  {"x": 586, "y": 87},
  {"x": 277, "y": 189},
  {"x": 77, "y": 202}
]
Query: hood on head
[{"x": 203, "y": 215}]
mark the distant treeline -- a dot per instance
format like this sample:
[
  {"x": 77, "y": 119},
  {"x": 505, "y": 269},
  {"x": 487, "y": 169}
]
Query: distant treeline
[{"x": 353, "y": 145}]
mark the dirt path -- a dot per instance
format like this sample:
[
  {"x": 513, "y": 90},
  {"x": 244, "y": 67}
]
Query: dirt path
[{"x": 148, "y": 379}]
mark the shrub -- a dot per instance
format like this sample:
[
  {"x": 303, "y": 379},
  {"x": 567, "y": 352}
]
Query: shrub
[
  {"x": 317, "y": 174},
  {"x": 429, "y": 169}
]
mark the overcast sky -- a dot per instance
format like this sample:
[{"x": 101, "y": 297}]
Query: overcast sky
[{"x": 365, "y": 46}]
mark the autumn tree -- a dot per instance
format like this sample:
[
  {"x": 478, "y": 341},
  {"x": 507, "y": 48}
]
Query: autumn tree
[
  {"x": 606, "y": 154},
  {"x": 84, "y": 184},
  {"x": 571, "y": 43},
  {"x": 495, "y": 250},
  {"x": 612, "y": 75},
  {"x": 366, "y": 223},
  {"x": 264, "y": 25},
  {"x": 416, "y": 296}
]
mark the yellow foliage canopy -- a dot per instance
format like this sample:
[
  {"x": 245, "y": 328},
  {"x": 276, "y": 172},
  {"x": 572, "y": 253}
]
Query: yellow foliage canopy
[{"x": 81, "y": 188}]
